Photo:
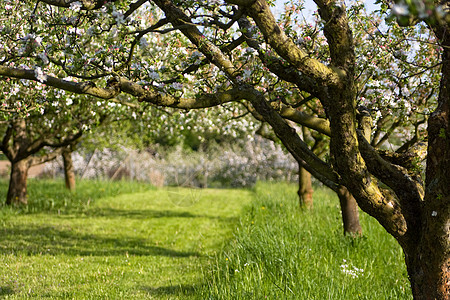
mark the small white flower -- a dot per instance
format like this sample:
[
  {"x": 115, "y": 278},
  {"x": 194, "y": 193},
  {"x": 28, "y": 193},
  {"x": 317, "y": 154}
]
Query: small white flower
[
  {"x": 400, "y": 9},
  {"x": 69, "y": 101},
  {"x": 38, "y": 40},
  {"x": 40, "y": 76},
  {"x": 247, "y": 74},
  {"x": 153, "y": 75},
  {"x": 119, "y": 17},
  {"x": 434, "y": 213},
  {"x": 353, "y": 271},
  {"x": 143, "y": 42},
  {"x": 177, "y": 86},
  {"x": 76, "y": 6}
]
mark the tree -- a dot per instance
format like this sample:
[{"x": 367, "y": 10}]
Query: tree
[
  {"x": 386, "y": 184},
  {"x": 34, "y": 136}
]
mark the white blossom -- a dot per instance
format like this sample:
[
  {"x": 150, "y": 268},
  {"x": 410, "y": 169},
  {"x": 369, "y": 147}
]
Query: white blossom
[
  {"x": 76, "y": 6},
  {"x": 434, "y": 213},
  {"x": 118, "y": 16},
  {"x": 177, "y": 85},
  {"x": 400, "y": 9},
  {"x": 40, "y": 76},
  {"x": 153, "y": 75},
  {"x": 246, "y": 74},
  {"x": 143, "y": 42}
]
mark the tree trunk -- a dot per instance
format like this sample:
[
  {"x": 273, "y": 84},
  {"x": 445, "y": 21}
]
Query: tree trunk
[
  {"x": 349, "y": 211},
  {"x": 17, "y": 191},
  {"x": 428, "y": 256},
  {"x": 305, "y": 190},
  {"x": 69, "y": 173},
  {"x": 428, "y": 271}
]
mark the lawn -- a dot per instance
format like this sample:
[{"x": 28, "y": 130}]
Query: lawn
[
  {"x": 118, "y": 244},
  {"x": 126, "y": 240}
]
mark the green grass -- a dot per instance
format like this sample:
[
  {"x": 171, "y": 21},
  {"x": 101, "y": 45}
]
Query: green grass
[
  {"x": 281, "y": 252},
  {"x": 126, "y": 240},
  {"x": 122, "y": 245}
]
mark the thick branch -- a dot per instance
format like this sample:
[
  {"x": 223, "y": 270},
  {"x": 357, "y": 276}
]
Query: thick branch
[
  {"x": 259, "y": 10},
  {"x": 304, "y": 119},
  {"x": 87, "y": 88},
  {"x": 37, "y": 160},
  {"x": 86, "y": 4},
  {"x": 212, "y": 52},
  {"x": 409, "y": 191},
  {"x": 276, "y": 65},
  {"x": 299, "y": 149},
  {"x": 338, "y": 33}
]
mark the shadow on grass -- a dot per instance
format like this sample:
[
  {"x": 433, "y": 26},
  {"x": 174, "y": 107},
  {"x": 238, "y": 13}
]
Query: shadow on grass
[
  {"x": 5, "y": 291},
  {"x": 171, "y": 290},
  {"x": 53, "y": 241},
  {"x": 108, "y": 212}
]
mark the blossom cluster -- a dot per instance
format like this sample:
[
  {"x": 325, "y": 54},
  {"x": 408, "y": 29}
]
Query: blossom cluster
[{"x": 225, "y": 166}]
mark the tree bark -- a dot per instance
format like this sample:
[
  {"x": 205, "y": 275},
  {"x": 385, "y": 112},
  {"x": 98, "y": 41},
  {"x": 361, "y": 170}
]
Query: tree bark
[
  {"x": 305, "y": 190},
  {"x": 428, "y": 257},
  {"x": 349, "y": 211},
  {"x": 17, "y": 190},
  {"x": 69, "y": 173}
]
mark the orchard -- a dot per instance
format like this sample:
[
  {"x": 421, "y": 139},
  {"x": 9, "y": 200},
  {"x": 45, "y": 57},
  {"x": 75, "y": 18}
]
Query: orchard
[{"x": 374, "y": 87}]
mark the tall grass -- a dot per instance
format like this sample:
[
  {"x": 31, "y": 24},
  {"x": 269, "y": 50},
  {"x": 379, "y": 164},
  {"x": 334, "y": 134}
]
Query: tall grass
[{"x": 281, "y": 252}]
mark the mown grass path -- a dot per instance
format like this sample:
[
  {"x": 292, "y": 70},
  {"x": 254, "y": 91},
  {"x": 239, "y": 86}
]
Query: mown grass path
[{"x": 152, "y": 244}]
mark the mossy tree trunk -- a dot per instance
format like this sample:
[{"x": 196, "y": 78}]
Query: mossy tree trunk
[{"x": 427, "y": 255}]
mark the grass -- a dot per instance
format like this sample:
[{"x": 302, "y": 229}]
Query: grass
[
  {"x": 130, "y": 241},
  {"x": 122, "y": 245},
  {"x": 281, "y": 252}
]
